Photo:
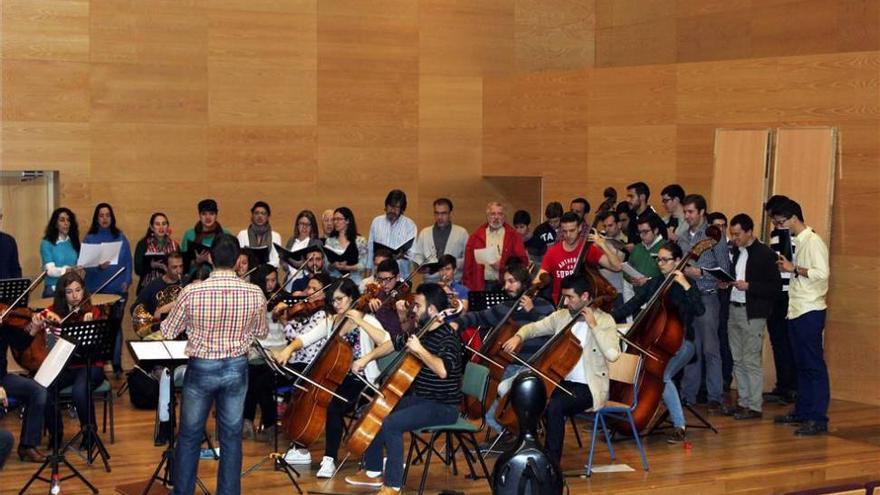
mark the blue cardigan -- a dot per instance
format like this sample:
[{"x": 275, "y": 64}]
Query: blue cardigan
[{"x": 95, "y": 276}]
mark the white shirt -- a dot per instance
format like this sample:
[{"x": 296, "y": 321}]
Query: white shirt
[
  {"x": 578, "y": 373},
  {"x": 737, "y": 295}
]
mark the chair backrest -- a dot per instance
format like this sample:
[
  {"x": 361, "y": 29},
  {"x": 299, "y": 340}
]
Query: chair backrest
[
  {"x": 627, "y": 369},
  {"x": 476, "y": 381}
]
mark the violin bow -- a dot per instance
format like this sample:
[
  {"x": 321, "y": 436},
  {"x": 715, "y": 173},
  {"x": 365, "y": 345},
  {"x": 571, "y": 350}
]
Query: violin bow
[{"x": 21, "y": 296}]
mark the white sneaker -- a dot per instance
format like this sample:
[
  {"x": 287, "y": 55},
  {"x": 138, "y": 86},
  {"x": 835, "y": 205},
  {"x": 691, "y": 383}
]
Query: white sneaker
[
  {"x": 328, "y": 467},
  {"x": 298, "y": 456}
]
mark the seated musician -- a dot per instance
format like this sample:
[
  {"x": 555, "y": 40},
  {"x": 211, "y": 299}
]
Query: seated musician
[
  {"x": 261, "y": 385},
  {"x": 588, "y": 380},
  {"x": 149, "y": 297},
  {"x": 379, "y": 256},
  {"x": 32, "y": 394},
  {"x": 432, "y": 400},
  {"x": 447, "y": 270},
  {"x": 365, "y": 335},
  {"x": 685, "y": 297},
  {"x": 69, "y": 292},
  {"x": 516, "y": 282},
  {"x": 382, "y": 307},
  {"x": 314, "y": 264},
  {"x": 301, "y": 324}
]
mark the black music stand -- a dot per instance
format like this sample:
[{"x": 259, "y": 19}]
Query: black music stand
[
  {"x": 277, "y": 458},
  {"x": 94, "y": 342},
  {"x": 56, "y": 458},
  {"x": 171, "y": 361},
  {"x": 11, "y": 288},
  {"x": 479, "y": 300}
]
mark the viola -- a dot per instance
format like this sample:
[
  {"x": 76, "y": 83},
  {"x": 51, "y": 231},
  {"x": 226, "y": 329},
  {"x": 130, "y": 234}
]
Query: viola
[
  {"x": 660, "y": 330},
  {"x": 398, "y": 381}
]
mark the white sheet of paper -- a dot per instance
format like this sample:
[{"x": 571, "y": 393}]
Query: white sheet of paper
[
  {"x": 487, "y": 255},
  {"x": 176, "y": 348},
  {"x": 94, "y": 254},
  {"x": 632, "y": 272},
  {"x": 150, "y": 350},
  {"x": 54, "y": 362},
  {"x": 613, "y": 468}
]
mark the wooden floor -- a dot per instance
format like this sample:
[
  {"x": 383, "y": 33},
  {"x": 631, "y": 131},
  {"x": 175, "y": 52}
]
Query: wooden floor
[{"x": 745, "y": 457}]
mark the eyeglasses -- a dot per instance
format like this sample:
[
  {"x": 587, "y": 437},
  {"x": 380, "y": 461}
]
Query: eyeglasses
[
  {"x": 385, "y": 279},
  {"x": 304, "y": 224},
  {"x": 664, "y": 260}
]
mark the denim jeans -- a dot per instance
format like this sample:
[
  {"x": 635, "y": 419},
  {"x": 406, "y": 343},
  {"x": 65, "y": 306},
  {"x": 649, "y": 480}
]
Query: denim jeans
[
  {"x": 707, "y": 347},
  {"x": 222, "y": 382},
  {"x": 35, "y": 397},
  {"x": 412, "y": 413},
  {"x": 670, "y": 392},
  {"x": 814, "y": 391},
  {"x": 506, "y": 381}
]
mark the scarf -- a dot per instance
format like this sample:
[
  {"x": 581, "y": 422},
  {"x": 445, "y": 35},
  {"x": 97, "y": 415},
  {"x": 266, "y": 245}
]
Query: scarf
[
  {"x": 201, "y": 234},
  {"x": 259, "y": 236}
]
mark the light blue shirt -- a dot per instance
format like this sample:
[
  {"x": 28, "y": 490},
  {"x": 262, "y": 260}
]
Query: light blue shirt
[{"x": 392, "y": 235}]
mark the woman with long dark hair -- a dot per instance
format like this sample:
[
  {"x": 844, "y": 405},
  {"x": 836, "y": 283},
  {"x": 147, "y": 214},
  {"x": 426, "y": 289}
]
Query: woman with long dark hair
[
  {"x": 345, "y": 241},
  {"x": 156, "y": 243},
  {"x": 59, "y": 248},
  {"x": 305, "y": 234},
  {"x": 104, "y": 230}
]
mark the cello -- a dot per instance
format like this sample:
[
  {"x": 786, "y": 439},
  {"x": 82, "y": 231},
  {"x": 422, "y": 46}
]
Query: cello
[
  {"x": 403, "y": 372},
  {"x": 492, "y": 353},
  {"x": 659, "y": 329},
  {"x": 31, "y": 357},
  {"x": 556, "y": 358}
]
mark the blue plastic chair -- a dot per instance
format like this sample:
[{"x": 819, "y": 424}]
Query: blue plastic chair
[{"x": 627, "y": 369}]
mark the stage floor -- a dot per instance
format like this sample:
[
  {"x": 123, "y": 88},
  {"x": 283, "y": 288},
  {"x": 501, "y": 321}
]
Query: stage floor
[{"x": 744, "y": 457}]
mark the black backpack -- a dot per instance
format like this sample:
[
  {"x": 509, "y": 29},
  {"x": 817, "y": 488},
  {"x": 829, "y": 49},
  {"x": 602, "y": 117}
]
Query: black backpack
[{"x": 143, "y": 389}]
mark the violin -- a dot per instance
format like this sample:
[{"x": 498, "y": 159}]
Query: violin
[
  {"x": 18, "y": 317},
  {"x": 300, "y": 310}
]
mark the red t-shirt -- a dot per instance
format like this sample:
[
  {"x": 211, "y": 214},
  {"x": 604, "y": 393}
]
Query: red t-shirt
[{"x": 560, "y": 263}]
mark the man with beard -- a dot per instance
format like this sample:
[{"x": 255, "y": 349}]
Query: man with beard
[
  {"x": 393, "y": 229},
  {"x": 434, "y": 395},
  {"x": 588, "y": 380}
]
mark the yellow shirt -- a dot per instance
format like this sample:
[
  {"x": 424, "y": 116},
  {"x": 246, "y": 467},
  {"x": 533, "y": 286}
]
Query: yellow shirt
[
  {"x": 494, "y": 238},
  {"x": 807, "y": 294}
]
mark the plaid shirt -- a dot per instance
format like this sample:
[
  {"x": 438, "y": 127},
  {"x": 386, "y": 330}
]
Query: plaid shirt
[{"x": 222, "y": 316}]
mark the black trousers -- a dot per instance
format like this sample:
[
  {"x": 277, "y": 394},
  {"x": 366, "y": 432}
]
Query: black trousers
[
  {"x": 783, "y": 356},
  {"x": 350, "y": 388},
  {"x": 562, "y": 406},
  {"x": 260, "y": 391}
]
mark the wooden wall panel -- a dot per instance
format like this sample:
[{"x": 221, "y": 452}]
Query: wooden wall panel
[
  {"x": 47, "y": 91},
  {"x": 554, "y": 35},
  {"x": 741, "y": 91},
  {"x": 739, "y": 178},
  {"x": 632, "y": 96},
  {"x": 46, "y": 30}
]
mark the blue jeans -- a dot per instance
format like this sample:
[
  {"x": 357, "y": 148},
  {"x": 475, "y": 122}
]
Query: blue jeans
[
  {"x": 412, "y": 413},
  {"x": 707, "y": 347},
  {"x": 6, "y": 443},
  {"x": 814, "y": 389},
  {"x": 35, "y": 397},
  {"x": 670, "y": 392},
  {"x": 509, "y": 372},
  {"x": 222, "y": 382}
]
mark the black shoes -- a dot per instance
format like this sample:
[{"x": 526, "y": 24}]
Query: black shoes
[
  {"x": 715, "y": 408},
  {"x": 811, "y": 428},
  {"x": 678, "y": 435},
  {"x": 788, "y": 419},
  {"x": 748, "y": 414}
]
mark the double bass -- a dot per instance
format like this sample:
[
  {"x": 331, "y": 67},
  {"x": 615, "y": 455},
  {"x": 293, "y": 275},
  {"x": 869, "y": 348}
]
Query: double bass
[
  {"x": 659, "y": 329},
  {"x": 403, "y": 372},
  {"x": 492, "y": 353}
]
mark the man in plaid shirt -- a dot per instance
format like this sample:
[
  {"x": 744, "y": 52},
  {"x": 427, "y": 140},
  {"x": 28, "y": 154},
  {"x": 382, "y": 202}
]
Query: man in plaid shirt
[{"x": 222, "y": 316}]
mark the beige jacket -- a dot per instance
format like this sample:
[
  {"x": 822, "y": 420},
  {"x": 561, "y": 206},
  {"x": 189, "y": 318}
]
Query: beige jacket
[{"x": 602, "y": 345}]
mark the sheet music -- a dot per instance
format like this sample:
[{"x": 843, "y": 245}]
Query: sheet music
[
  {"x": 159, "y": 350},
  {"x": 487, "y": 255},
  {"x": 632, "y": 272},
  {"x": 176, "y": 349},
  {"x": 54, "y": 362},
  {"x": 94, "y": 254}
]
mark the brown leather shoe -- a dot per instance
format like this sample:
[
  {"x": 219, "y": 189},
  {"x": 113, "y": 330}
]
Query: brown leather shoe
[{"x": 30, "y": 454}]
